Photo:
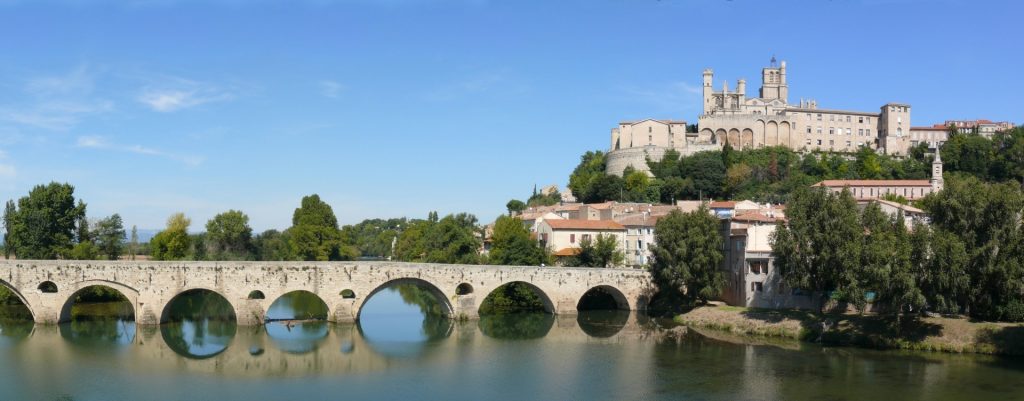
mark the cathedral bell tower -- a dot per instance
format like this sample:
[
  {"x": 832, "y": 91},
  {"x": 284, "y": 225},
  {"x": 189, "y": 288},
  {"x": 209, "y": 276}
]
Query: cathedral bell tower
[
  {"x": 937, "y": 181},
  {"x": 773, "y": 82}
]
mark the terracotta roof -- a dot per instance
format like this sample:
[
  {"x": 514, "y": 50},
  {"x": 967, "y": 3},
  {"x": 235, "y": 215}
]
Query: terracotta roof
[
  {"x": 567, "y": 252},
  {"x": 722, "y": 205},
  {"x": 873, "y": 183},
  {"x": 600, "y": 206},
  {"x": 933, "y": 128},
  {"x": 576, "y": 224},
  {"x": 638, "y": 220},
  {"x": 756, "y": 217}
]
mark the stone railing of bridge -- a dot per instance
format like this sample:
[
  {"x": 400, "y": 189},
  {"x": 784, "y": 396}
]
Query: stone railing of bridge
[{"x": 48, "y": 288}]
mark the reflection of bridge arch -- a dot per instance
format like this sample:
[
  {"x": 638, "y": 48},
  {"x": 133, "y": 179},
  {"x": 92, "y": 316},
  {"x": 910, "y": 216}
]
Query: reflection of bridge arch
[
  {"x": 129, "y": 293},
  {"x": 442, "y": 299},
  {"x": 621, "y": 302}
]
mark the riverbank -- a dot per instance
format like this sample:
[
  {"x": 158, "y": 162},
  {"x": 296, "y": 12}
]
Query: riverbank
[{"x": 869, "y": 331}]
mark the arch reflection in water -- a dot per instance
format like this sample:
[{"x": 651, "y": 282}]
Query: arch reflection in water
[
  {"x": 404, "y": 321},
  {"x": 297, "y": 338},
  {"x": 516, "y": 326},
  {"x": 98, "y": 315},
  {"x": 198, "y": 324},
  {"x": 293, "y": 336},
  {"x": 602, "y": 323}
]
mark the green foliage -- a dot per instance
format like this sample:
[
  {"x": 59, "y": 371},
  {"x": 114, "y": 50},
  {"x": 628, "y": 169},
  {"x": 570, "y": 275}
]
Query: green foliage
[
  {"x": 940, "y": 260},
  {"x": 514, "y": 297},
  {"x": 42, "y": 225},
  {"x": 603, "y": 251},
  {"x": 84, "y": 251},
  {"x": 687, "y": 255},
  {"x": 512, "y": 245},
  {"x": 373, "y": 237},
  {"x": 448, "y": 240},
  {"x": 314, "y": 234},
  {"x": 173, "y": 243},
  {"x": 109, "y": 237},
  {"x": 817, "y": 250},
  {"x": 986, "y": 218},
  {"x": 272, "y": 245},
  {"x": 133, "y": 243},
  {"x": 538, "y": 199},
  {"x": 515, "y": 206},
  {"x": 886, "y": 261},
  {"x": 585, "y": 177},
  {"x": 228, "y": 236}
]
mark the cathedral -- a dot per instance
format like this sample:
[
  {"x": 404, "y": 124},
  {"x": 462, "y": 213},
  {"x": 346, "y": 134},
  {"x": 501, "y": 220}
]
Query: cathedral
[{"x": 768, "y": 119}]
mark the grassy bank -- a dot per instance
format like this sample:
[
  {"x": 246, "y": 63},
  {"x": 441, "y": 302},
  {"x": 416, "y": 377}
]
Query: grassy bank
[{"x": 882, "y": 332}]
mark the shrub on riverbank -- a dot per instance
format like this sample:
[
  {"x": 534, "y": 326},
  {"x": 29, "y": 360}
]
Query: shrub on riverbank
[{"x": 869, "y": 331}]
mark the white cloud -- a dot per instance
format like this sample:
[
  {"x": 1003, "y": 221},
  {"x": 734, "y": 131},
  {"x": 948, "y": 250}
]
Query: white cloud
[
  {"x": 80, "y": 80},
  {"x": 331, "y": 89},
  {"x": 177, "y": 93},
  {"x": 98, "y": 142}
]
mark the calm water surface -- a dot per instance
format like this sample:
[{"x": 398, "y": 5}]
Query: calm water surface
[{"x": 397, "y": 353}]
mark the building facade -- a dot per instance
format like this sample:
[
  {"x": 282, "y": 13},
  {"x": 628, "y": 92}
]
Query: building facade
[{"x": 767, "y": 119}]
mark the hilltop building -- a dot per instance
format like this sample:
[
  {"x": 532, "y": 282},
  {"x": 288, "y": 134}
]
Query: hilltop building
[
  {"x": 767, "y": 119},
  {"x": 868, "y": 190}
]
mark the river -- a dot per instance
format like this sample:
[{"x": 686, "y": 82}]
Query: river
[{"x": 398, "y": 353}]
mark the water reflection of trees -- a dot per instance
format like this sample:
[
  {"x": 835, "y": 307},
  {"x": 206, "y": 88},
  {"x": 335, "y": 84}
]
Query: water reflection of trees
[
  {"x": 199, "y": 304},
  {"x": 199, "y": 339},
  {"x": 414, "y": 294},
  {"x": 98, "y": 329},
  {"x": 602, "y": 323},
  {"x": 516, "y": 326}
]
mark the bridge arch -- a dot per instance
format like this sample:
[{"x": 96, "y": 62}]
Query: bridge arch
[
  {"x": 129, "y": 293},
  {"x": 21, "y": 297},
  {"x": 165, "y": 310},
  {"x": 321, "y": 302},
  {"x": 607, "y": 293},
  {"x": 447, "y": 309},
  {"x": 545, "y": 298}
]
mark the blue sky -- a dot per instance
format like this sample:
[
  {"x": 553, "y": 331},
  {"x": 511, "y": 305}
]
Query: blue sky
[{"x": 399, "y": 107}]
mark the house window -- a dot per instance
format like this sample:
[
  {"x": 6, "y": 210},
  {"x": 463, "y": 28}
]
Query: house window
[
  {"x": 648, "y": 129},
  {"x": 847, "y": 118},
  {"x": 860, "y": 120},
  {"x": 585, "y": 237},
  {"x": 860, "y": 132},
  {"x": 831, "y": 142},
  {"x": 808, "y": 129},
  {"x": 819, "y": 130},
  {"x": 819, "y": 142},
  {"x": 572, "y": 238},
  {"x": 650, "y": 138},
  {"x": 756, "y": 286},
  {"x": 831, "y": 131},
  {"x": 831, "y": 118},
  {"x": 640, "y": 244},
  {"x": 819, "y": 116},
  {"x": 849, "y": 131},
  {"x": 847, "y": 143}
]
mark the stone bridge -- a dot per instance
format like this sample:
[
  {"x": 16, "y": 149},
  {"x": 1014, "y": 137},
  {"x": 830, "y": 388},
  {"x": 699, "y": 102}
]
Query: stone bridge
[{"x": 48, "y": 288}]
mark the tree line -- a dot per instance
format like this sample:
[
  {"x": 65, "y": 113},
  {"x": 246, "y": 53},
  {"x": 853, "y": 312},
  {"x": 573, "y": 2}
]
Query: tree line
[{"x": 969, "y": 260}]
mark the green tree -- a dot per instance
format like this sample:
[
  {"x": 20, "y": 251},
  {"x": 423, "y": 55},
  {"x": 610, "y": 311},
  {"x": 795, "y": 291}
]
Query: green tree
[
  {"x": 229, "y": 236},
  {"x": 109, "y": 237},
  {"x": 940, "y": 261},
  {"x": 602, "y": 251},
  {"x": 452, "y": 240},
  {"x": 512, "y": 245},
  {"x": 173, "y": 243},
  {"x": 515, "y": 207},
  {"x": 818, "y": 251},
  {"x": 314, "y": 234},
  {"x": 687, "y": 255},
  {"x": 133, "y": 244},
  {"x": 586, "y": 174},
  {"x": 886, "y": 263},
  {"x": 43, "y": 224},
  {"x": 9, "y": 220},
  {"x": 707, "y": 170},
  {"x": 272, "y": 245}
]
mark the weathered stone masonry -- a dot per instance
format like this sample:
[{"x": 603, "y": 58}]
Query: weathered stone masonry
[{"x": 150, "y": 286}]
